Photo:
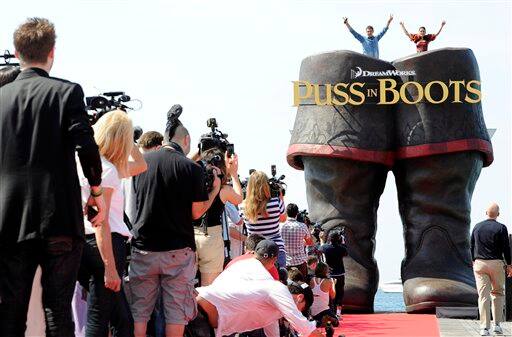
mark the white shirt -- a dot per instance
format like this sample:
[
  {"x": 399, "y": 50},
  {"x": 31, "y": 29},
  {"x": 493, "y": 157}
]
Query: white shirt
[
  {"x": 321, "y": 298},
  {"x": 248, "y": 298},
  {"x": 109, "y": 179},
  {"x": 233, "y": 218},
  {"x": 129, "y": 199}
]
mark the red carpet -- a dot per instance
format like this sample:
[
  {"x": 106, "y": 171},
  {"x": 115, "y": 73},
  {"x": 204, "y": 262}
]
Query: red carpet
[{"x": 388, "y": 325}]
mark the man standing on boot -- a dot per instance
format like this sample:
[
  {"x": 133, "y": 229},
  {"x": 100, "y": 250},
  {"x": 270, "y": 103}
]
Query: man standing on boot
[
  {"x": 370, "y": 43},
  {"x": 489, "y": 246}
]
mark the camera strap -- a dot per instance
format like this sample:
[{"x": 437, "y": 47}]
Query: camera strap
[{"x": 225, "y": 235}]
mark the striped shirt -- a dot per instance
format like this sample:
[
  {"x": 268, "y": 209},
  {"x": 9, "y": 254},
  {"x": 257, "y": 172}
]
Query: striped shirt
[{"x": 268, "y": 226}]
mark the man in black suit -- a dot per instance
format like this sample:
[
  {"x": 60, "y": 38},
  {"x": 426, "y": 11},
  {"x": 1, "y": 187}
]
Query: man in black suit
[{"x": 43, "y": 122}]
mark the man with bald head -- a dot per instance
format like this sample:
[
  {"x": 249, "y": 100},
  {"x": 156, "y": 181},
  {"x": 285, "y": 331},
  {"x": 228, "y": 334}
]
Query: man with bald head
[{"x": 489, "y": 249}]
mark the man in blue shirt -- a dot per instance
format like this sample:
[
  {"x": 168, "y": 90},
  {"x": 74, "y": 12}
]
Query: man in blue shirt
[{"x": 370, "y": 43}]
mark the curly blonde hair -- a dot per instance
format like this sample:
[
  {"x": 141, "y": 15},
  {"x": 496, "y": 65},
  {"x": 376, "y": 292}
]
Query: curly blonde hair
[
  {"x": 258, "y": 195},
  {"x": 113, "y": 133}
]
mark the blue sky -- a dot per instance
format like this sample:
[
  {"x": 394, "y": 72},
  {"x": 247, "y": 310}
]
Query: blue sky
[{"x": 236, "y": 60}]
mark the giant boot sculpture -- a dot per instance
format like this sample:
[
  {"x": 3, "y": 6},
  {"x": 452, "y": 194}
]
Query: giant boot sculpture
[
  {"x": 441, "y": 150},
  {"x": 346, "y": 152}
]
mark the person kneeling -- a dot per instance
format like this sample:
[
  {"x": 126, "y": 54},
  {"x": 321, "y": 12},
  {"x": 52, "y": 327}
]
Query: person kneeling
[
  {"x": 245, "y": 297},
  {"x": 323, "y": 290}
]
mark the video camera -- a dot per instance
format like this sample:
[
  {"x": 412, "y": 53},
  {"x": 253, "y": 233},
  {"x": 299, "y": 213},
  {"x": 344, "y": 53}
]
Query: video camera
[
  {"x": 99, "y": 105},
  {"x": 7, "y": 56},
  {"x": 245, "y": 182},
  {"x": 277, "y": 185},
  {"x": 303, "y": 217},
  {"x": 207, "y": 166},
  {"x": 215, "y": 139},
  {"x": 317, "y": 229}
]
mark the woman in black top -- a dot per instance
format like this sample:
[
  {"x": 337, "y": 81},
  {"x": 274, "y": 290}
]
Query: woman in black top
[
  {"x": 334, "y": 252},
  {"x": 208, "y": 229}
]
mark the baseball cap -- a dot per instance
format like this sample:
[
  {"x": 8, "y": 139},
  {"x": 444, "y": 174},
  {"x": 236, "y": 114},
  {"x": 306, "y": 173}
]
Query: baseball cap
[{"x": 267, "y": 249}]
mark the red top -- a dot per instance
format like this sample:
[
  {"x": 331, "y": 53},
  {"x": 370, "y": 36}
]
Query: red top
[
  {"x": 422, "y": 41},
  {"x": 273, "y": 272}
]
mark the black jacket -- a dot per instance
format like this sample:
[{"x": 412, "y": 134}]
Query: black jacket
[{"x": 43, "y": 122}]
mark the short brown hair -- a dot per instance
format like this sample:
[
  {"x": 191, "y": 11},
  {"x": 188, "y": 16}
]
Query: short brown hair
[
  {"x": 312, "y": 259},
  {"x": 34, "y": 39},
  {"x": 295, "y": 275},
  {"x": 150, "y": 139}
]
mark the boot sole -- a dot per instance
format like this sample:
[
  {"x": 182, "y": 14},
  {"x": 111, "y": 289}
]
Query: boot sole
[
  {"x": 347, "y": 308},
  {"x": 430, "y": 307}
]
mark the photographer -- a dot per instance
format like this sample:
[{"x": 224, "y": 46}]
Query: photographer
[
  {"x": 208, "y": 229},
  {"x": 245, "y": 297},
  {"x": 296, "y": 237},
  {"x": 43, "y": 122},
  {"x": 334, "y": 251},
  {"x": 263, "y": 212},
  {"x": 104, "y": 255},
  {"x": 169, "y": 196}
]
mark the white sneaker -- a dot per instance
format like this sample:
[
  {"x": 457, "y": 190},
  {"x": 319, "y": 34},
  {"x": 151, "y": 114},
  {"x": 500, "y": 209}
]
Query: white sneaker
[
  {"x": 498, "y": 330},
  {"x": 484, "y": 332}
]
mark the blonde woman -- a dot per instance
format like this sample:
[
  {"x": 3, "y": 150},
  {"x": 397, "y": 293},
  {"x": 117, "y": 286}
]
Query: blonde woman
[
  {"x": 104, "y": 254},
  {"x": 263, "y": 212}
]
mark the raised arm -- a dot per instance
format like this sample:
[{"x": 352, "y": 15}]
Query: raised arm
[
  {"x": 389, "y": 20},
  {"x": 200, "y": 207},
  {"x": 232, "y": 194},
  {"x": 405, "y": 30},
  {"x": 440, "y": 29},
  {"x": 381, "y": 34},
  {"x": 358, "y": 36},
  {"x": 136, "y": 163}
]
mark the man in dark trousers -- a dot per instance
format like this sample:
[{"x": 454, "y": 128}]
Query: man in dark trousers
[
  {"x": 43, "y": 122},
  {"x": 489, "y": 247}
]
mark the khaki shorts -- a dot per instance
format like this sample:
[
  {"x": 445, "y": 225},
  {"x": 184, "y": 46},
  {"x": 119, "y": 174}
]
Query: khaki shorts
[
  {"x": 210, "y": 249},
  {"x": 171, "y": 273}
]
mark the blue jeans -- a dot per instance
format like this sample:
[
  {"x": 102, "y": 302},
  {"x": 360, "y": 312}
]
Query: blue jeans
[
  {"x": 59, "y": 258},
  {"x": 104, "y": 306},
  {"x": 281, "y": 259}
]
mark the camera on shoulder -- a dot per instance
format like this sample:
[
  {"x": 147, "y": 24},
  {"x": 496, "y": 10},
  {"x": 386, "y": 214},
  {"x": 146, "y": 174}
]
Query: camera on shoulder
[
  {"x": 277, "y": 185},
  {"x": 215, "y": 139}
]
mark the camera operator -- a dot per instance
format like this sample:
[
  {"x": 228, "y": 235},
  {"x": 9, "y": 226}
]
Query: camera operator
[
  {"x": 43, "y": 122},
  {"x": 296, "y": 237},
  {"x": 334, "y": 251},
  {"x": 264, "y": 212},
  {"x": 208, "y": 230},
  {"x": 169, "y": 196}
]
